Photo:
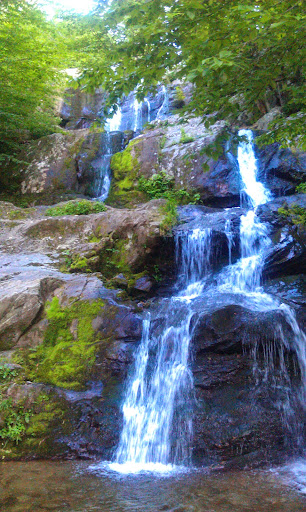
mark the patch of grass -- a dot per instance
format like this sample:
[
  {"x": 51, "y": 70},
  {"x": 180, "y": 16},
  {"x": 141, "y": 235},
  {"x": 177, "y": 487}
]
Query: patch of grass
[{"x": 82, "y": 207}]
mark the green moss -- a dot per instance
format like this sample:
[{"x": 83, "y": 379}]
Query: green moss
[
  {"x": 20, "y": 214},
  {"x": 113, "y": 259},
  {"x": 125, "y": 167},
  {"x": 296, "y": 214},
  {"x": 69, "y": 348},
  {"x": 163, "y": 142},
  {"x": 301, "y": 188},
  {"x": 179, "y": 94},
  {"x": 29, "y": 429},
  {"x": 124, "y": 163},
  {"x": 82, "y": 207},
  {"x": 80, "y": 264},
  {"x": 94, "y": 239}
]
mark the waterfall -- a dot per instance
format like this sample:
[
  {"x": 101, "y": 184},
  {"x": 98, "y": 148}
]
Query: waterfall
[
  {"x": 147, "y": 102},
  {"x": 163, "y": 110},
  {"x": 157, "y": 428},
  {"x": 244, "y": 277},
  {"x": 137, "y": 115},
  {"x": 158, "y": 405},
  {"x": 230, "y": 238},
  {"x": 113, "y": 124}
]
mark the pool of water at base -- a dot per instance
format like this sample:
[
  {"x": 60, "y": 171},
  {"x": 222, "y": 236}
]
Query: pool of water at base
[{"x": 41, "y": 486}]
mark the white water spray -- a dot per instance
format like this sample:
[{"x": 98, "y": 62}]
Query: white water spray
[{"x": 157, "y": 428}]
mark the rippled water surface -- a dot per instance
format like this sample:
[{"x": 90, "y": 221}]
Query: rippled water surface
[{"x": 74, "y": 487}]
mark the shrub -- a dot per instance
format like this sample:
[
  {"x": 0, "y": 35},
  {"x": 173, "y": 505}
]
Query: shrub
[
  {"x": 185, "y": 138},
  {"x": 82, "y": 207}
]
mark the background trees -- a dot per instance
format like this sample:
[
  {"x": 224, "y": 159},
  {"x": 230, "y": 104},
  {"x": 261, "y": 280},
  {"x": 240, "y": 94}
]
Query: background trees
[
  {"x": 30, "y": 54},
  {"x": 239, "y": 55}
]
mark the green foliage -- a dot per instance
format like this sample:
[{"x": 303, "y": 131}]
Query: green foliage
[
  {"x": 7, "y": 373},
  {"x": 179, "y": 94},
  {"x": 297, "y": 214},
  {"x": 163, "y": 142},
  {"x": 30, "y": 55},
  {"x": 82, "y": 207},
  {"x": 161, "y": 185},
  {"x": 301, "y": 188},
  {"x": 185, "y": 138},
  {"x": 69, "y": 348},
  {"x": 14, "y": 420},
  {"x": 156, "y": 186},
  {"x": 239, "y": 56},
  {"x": 169, "y": 211}
]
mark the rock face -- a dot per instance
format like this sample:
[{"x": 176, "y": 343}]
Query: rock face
[
  {"x": 52, "y": 164},
  {"x": 182, "y": 147},
  {"x": 78, "y": 381},
  {"x": 287, "y": 255}
]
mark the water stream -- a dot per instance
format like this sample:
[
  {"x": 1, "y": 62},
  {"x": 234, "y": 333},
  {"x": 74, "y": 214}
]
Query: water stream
[{"x": 158, "y": 406}]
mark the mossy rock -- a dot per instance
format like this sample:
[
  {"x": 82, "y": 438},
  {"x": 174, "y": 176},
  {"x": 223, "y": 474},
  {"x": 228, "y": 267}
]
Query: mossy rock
[
  {"x": 125, "y": 168},
  {"x": 68, "y": 352},
  {"x": 32, "y": 425}
]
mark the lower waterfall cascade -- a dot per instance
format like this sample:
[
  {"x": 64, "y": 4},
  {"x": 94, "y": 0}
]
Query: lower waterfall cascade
[{"x": 158, "y": 406}]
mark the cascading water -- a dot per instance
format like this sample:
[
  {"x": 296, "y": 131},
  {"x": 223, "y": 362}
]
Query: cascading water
[
  {"x": 148, "y": 109},
  {"x": 163, "y": 111},
  {"x": 244, "y": 277},
  {"x": 128, "y": 116},
  {"x": 157, "y": 411},
  {"x": 157, "y": 418}
]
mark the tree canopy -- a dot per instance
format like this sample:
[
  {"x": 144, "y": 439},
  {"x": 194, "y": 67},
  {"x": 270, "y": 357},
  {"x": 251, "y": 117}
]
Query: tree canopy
[
  {"x": 30, "y": 53},
  {"x": 239, "y": 55}
]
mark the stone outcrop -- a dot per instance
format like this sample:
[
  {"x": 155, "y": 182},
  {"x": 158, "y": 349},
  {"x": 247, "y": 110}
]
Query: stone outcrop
[{"x": 52, "y": 163}]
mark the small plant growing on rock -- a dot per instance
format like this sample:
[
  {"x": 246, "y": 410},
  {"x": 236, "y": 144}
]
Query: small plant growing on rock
[
  {"x": 156, "y": 186},
  {"x": 301, "y": 188},
  {"x": 82, "y": 207},
  {"x": 296, "y": 213},
  {"x": 185, "y": 138},
  {"x": 14, "y": 420}
]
